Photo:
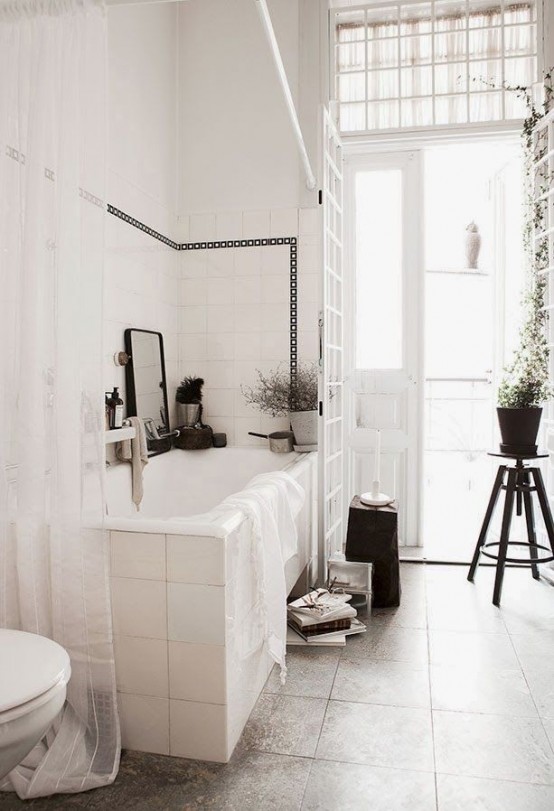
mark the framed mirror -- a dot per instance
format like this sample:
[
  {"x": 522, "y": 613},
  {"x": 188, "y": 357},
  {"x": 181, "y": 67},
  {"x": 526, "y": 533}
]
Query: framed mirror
[{"x": 146, "y": 387}]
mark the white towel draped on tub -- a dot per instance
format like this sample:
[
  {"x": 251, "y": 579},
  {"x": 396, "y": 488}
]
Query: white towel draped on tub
[{"x": 272, "y": 501}]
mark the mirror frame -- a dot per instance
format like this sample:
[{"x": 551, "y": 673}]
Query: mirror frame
[{"x": 165, "y": 443}]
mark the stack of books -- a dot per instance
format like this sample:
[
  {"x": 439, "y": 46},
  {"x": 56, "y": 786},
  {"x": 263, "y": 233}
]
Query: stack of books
[{"x": 322, "y": 618}]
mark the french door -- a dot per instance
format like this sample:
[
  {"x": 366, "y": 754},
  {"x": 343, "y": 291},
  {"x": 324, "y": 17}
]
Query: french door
[
  {"x": 332, "y": 494},
  {"x": 383, "y": 255}
]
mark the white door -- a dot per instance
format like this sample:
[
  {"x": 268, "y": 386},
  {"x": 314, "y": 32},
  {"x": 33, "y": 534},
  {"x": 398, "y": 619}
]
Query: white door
[
  {"x": 332, "y": 354},
  {"x": 383, "y": 212}
]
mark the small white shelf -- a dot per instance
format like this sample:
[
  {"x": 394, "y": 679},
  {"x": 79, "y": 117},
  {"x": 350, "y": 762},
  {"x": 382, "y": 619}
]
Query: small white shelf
[
  {"x": 119, "y": 434},
  {"x": 459, "y": 272}
]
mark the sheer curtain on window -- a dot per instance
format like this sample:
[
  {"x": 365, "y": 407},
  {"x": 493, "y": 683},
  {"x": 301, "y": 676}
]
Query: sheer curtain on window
[
  {"x": 54, "y": 577},
  {"x": 424, "y": 64}
]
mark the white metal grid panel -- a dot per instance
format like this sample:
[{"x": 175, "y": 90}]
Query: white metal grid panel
[
  {"x": 543, "y": 248},
  {"x": 417, "y": 64},
  {"x": 332, "y": 341}
]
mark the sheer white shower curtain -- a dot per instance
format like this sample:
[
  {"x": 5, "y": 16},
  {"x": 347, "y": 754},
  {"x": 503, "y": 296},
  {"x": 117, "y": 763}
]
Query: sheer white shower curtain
[{"x": 54, "y": 577}]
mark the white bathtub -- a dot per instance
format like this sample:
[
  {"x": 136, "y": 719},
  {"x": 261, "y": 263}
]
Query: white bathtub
[{"x": 190, "y": 658}]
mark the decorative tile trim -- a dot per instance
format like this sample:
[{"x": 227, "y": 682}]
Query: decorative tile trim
[
  {"x": 89, "y": 197},
  {"x": 13, "y": 153},
  {"x": 142, "y": 227},
  {"x": 238, "y": 243}
]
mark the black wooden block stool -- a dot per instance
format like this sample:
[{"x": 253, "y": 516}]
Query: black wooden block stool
[
  {"x": 372, "y": 537},
  {"x": 519, "y": 481}
]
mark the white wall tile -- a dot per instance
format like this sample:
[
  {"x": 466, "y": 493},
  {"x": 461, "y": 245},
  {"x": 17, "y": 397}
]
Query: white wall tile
[
  {"x": 229, "y": 225},
  {"x": 197, "y": 672},
  {"x": 198, "y": 731},
  {"x": 248, "y": 261},
  {"x": 245, "y": 424},
  {"x": 276, "y": 260},
  {"x": 276, "y": 289},
  {"x": 276, "y": 346},
  {"x": 248, "y": 289},
  {"x": 196, "y": 613},
  {"x": 221, "y": 262},
  {"x": 220, "y": 402},
  {"x": 284, "y": 222},
  {"x": 138, "y": 555},
  {"x": 308, "y": 287},
  {"x": 194, "y": 264},
  {"x": 193, "y": 320},
  {"x": 193, "y": 347},
  {"x": 141, "y": 666},
  {"x": 193, "y": 291},
  {"x": 221, "y": 346},
  {"x": 274, "y": 316},
  {"x": 199, "y": 560},
  {"x": 221, "y": 318},
  {"x": 256, "y": 224},
  {"x": 308, "y": 221},
  {"x": 201, "y": 227},
  {"x": 247, "y": 318},
  {"x": 220, "y": 374},
  {"x": 247, "y": 345},
  {"x": 221, "y": 291},
  {"x": 144, "y": 723},
  {"x": 139, "y": 607}
]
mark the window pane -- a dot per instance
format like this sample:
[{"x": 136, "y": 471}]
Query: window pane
[{"x": 379, "y": 269}]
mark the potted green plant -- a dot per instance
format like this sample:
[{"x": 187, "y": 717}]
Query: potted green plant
[
  {"x": 189, "y": 401},
  {"x": 282, "y": 394},
  {"x": 526, "y": 385}
]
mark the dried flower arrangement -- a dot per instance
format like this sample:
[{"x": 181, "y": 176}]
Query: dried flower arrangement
[{"x": 277, "y": 393}]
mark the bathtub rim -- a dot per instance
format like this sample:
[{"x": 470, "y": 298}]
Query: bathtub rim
[{"x": 214, "y": 526}]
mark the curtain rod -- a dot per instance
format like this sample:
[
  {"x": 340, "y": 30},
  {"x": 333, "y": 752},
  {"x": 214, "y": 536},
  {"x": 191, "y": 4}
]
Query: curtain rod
[{"x": 279, "y": 66}]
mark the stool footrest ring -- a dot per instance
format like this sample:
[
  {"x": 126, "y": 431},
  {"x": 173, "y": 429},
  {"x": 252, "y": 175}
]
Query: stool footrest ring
[{"x": 522, "y": 562}]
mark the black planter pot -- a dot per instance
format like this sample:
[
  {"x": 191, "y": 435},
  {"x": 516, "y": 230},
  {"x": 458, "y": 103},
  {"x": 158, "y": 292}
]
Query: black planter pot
[{"x": 519, "y": 428}]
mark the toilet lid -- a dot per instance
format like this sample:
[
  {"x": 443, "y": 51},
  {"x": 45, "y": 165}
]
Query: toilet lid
[{"x": 29, "y": 666}]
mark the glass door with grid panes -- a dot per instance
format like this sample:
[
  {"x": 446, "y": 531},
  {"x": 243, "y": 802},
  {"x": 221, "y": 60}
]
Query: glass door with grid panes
[{"x": 431, "y": 64}]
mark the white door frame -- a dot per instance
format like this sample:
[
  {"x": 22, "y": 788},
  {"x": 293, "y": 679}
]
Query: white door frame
[{"x": 410, "y": 161}]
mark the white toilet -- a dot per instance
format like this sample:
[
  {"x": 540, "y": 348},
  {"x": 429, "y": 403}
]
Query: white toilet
[{"x": 34, "y": 672}]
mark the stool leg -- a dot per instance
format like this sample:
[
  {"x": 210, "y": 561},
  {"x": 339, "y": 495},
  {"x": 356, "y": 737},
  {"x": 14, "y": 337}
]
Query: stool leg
[
  {"x": 545, "y": 507},
  {"x": 530, "y": 521},
  {"x": 504, "y": 535},
  {"x": 486, "y": 522}
]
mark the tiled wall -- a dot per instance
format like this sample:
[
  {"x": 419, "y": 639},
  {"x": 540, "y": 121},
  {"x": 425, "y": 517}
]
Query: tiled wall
[{"x": 235, "y": 309}]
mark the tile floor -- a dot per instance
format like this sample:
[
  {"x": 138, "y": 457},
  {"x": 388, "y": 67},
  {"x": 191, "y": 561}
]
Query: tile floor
[{"x": 446, "y": 703}]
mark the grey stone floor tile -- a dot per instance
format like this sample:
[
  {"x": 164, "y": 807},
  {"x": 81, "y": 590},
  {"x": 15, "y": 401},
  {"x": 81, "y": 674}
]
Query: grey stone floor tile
[
  {"x": 390, "y": 643},
  {"x": 475, "y": 689},
  {"x": 492, "y": 746},
  {"x": 462, "y": 793},
  {"x": 310, "y": 673},
  {"x": 399, "y": 684},
  {"x": 255, "y": 782},
  {"x": 535, "y": 651},
  {"x": 352, "y": 787},
  {"x": 467, "y": 649},
  {"x": 549, "y": 727},
  {"x": 541, "y": 685},
  {"x": 286, "y": 725},
  {"x": 9, "y": 801},
  {"x": 377, "y": 735}
]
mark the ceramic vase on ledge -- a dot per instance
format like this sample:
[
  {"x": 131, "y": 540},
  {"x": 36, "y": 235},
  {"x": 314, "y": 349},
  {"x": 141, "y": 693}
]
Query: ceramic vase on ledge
[
  {"x": 473, "y": 246},
  {"x": 304, "y": 427}
]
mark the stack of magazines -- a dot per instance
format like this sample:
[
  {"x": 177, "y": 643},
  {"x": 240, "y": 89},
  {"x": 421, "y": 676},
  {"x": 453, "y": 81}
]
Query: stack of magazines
[{"x": 322, "y": 618}]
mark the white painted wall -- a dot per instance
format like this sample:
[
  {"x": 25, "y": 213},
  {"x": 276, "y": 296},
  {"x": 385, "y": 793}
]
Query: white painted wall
[
  {"x": 236, "y": 147},
  {"x": 141, "y": 274}
]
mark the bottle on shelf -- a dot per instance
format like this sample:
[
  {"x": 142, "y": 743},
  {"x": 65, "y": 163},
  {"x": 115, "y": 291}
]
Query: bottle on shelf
[{"x": 115, "y": 405}]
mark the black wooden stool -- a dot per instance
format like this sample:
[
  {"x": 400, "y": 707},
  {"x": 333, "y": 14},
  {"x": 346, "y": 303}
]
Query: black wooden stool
[{"x": 519, "y": 481}]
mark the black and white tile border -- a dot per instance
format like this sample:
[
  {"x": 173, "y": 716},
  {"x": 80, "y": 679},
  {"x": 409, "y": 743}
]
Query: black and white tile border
[{"x": 292, "y": 242}]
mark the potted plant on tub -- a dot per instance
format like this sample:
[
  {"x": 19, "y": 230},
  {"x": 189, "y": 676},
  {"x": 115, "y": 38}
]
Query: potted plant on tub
[
  {"x": 282, "y": 394},
  {"x": 189, "y": 401}
]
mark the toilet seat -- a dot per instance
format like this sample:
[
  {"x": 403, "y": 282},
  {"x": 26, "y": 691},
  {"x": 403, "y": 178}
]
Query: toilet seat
[{"x": 31, "y": 667}]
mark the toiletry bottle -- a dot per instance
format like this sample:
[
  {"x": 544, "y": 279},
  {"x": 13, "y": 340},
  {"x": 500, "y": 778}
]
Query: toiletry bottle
[
  {"x": 116, "y": 404},
  {"x": 107, "y": 410}
]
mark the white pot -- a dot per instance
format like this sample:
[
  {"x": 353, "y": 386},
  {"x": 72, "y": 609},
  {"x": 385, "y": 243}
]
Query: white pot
[{"x": 304, "y": 426}]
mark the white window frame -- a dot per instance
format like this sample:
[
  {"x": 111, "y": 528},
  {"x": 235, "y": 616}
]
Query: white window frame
[{"x": 471, "y": 128}]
